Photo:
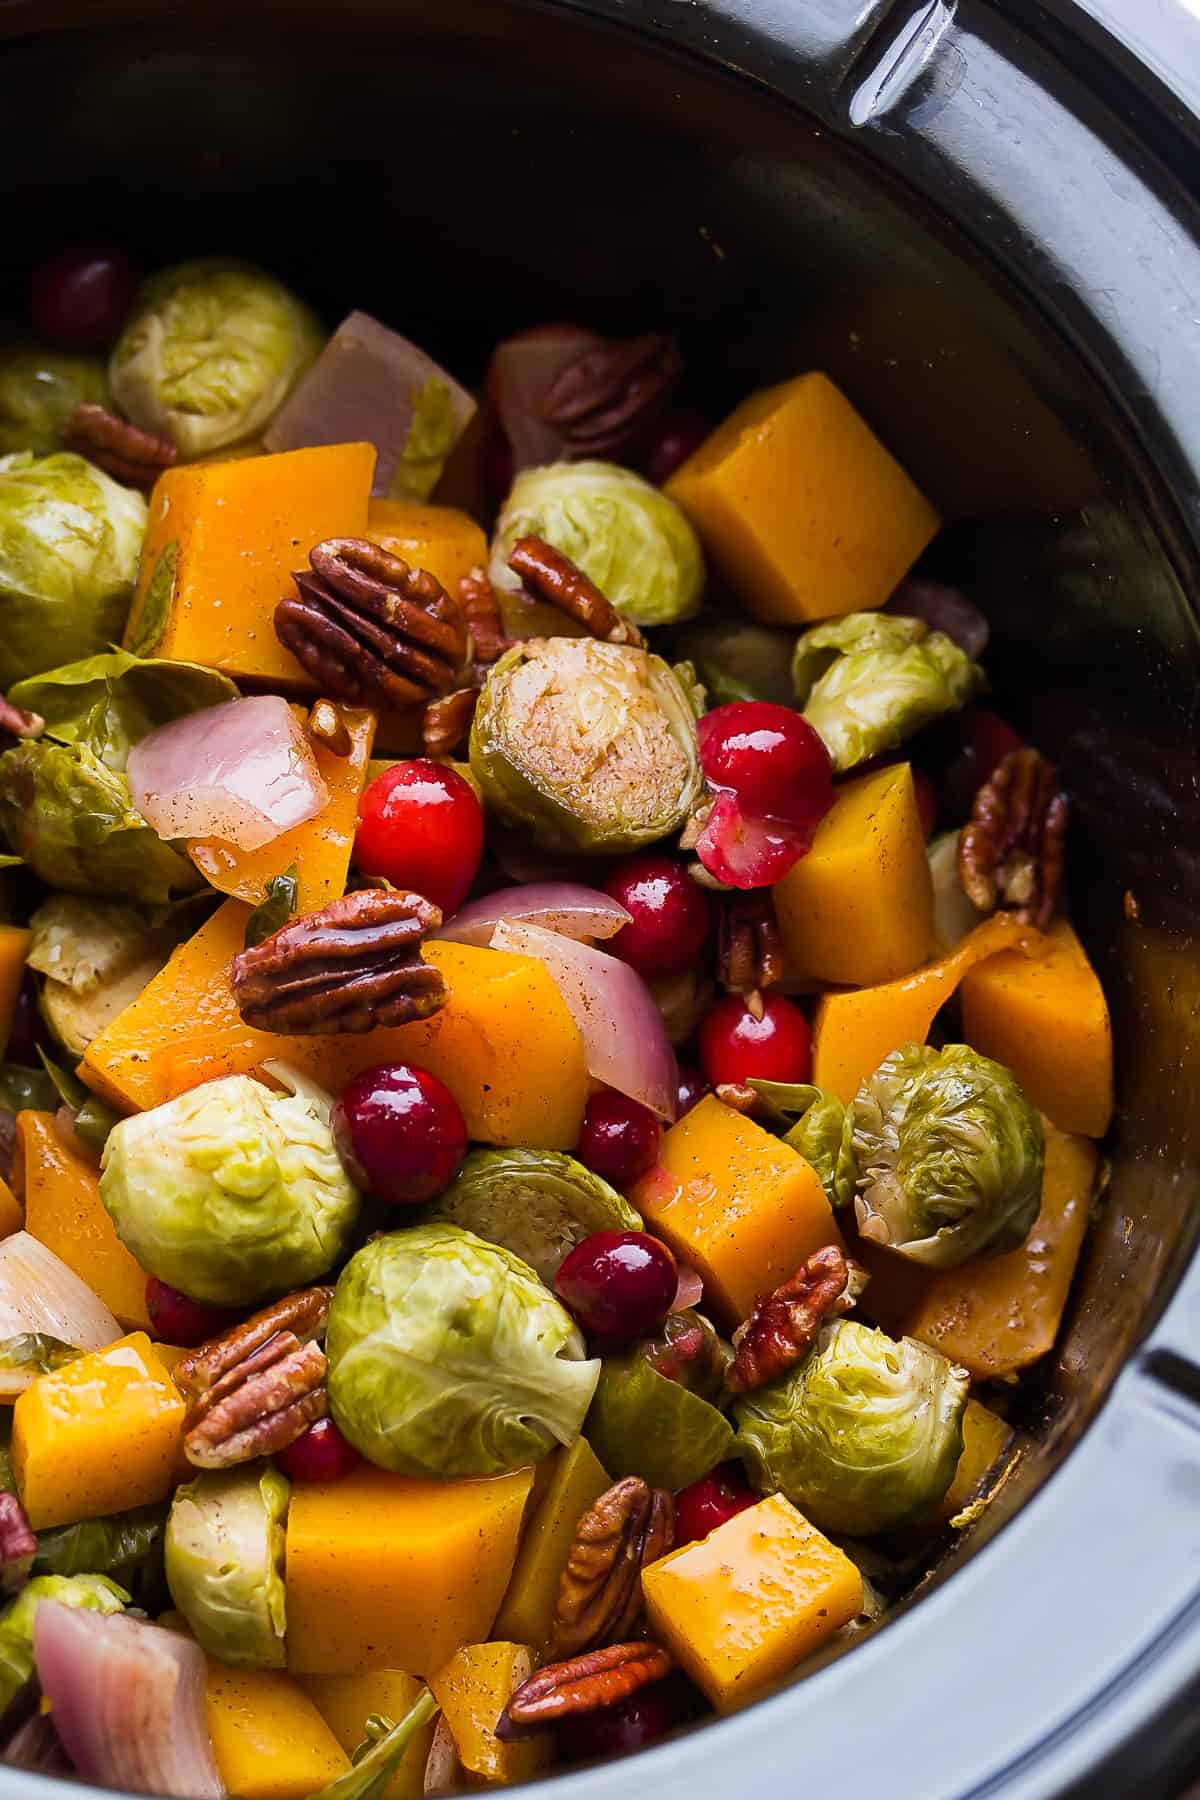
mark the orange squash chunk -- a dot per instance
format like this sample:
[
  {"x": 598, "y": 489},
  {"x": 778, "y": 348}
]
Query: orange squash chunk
[
  {"x": 11, "y": 1216},
  {"x": 346, "y": 1702},
  {"x": 64, "y": 1211},
  {"x": 221, "y": 543},
  {"x": 269, "y": 1739},
  {"x": 14, "y": 942},
  {"x": 472, "y": 1690},
  {"x": 441, "y": 539},
  {"x": 742, "y": 1207}
]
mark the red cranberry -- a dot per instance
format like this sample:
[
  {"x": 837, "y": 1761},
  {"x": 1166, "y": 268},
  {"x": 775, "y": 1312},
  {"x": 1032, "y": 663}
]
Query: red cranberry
[
  {"x": 400, "y": 1133},
  {"x": 735, "y": 1046},
  {"x": 617, "y": 1730},
  {"x": 82, "y": 296},
  {"x": 319, "y": 1454},
  {"x": 677, "y": 434},
  {"x": 618, "y": 1284},
  {"x": 927, "y": 801},
  {"x": 700, "y": 1508},
  {"x": 620, "y": 1139},
  {"x": 771, "y": 758},
  {"x": 670, "y": 917},
  {"x": 693, "y": 1085},
  {"x": 420, "y": 826},
  {"x": 178, "y": 1320}
]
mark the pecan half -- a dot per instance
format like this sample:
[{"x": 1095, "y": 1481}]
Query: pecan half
[
  {"x": 607, "y": 399},
  {"x": 550, "y": 576},
  {"x": 1010, "y": 851},
  {"x": 585, "y": 1684},
  {"x": 122, "y": 450},
  {"x": 446, "y": 723},
  {"x": 351, "y": 966},
  {"x": 369, "y": 629},
  {"x": 749, "y": 948},
  {"x": 18, "y": 723},
  {"x": 600, "y": 1593},
  {"x": 784, "y": 1324},
  {"x": 327, "y": 727},
  {"x": 482, "y": 614},
  {"x": 18, "y": 1545},
  {"x": 255, "y": 1389}
]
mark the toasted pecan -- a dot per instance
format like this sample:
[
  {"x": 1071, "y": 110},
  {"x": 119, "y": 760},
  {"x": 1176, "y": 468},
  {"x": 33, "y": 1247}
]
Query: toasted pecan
[
  {"x": 1011, "y": 850},
  {"x": 550, "y": 576},
  {"x": 584, "y": 1684},
  {"x": 784, "y": 1324},
  {"x": 130, "y": 455},
  {"x": 600, "y": 1592},
  {"x": 606, "y": 401},
  {"x": 255, "y": 1389}
]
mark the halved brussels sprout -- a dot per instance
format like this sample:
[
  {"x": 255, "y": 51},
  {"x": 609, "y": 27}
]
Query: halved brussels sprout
[
  {"x": 586, "y": 746},
  {"x": 96, "y": 956},
  {"x": 822, "y": 1132},
  {"x": 40, "y": 389},
  {"x": 867, "y": 681},
  {"x": 95, "y": 1593},
  {"x": 211, "y": 353},
  {"x": 70, "y": 539},
  {"x": 537, "y": 1203},
  {"x": 224, "y": 1557},
  {"x": 949, "y": 1155},
  {"x": 624, "y": 533},
  {"x": 644, "y": 1423},
  {"x": 120, "y": 1541},
  {"x": 448, "y": 1357},
  {"x": 738, "y": 660},
  {"x": 231, "y": 1192},
  {"x": 863, "y": 1435}
]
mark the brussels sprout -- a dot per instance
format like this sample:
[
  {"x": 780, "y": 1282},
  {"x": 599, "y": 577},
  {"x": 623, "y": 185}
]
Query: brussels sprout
[
  {"x": 625, "y": 534},
  {"x": 863, "y": 1435},
  {"x": 211, "y": 353},
  {"x": 537, "y": 1203},
  {"x": 70, "y": 539},
  {"x": 684, "y": 1000},
  {"x": 120, "y": 1541},
  {"x": 953, "y": 913},
  {"x": 643, "y": 1423},
  {"x": 40, "y": 389},
  {"x": 94, "y": 1593},
  {"x": 867, "y": 681},
  {"x": 224, "y": 1555},
  {"x": 231, "y": 1192},
  {"x": 737, "y": 660},
  {"x": 586, "y": 746},
  {"x": 949, "y": 1154},
  {"x": 26, "y": 1090},
  {"x": 819, "y": 1126},
  {"x": 447, "y": 1357},
  {"x": 96, "y": 956}
]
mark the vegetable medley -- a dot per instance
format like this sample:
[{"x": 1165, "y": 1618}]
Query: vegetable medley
[{"x": 551, "y": 1091}]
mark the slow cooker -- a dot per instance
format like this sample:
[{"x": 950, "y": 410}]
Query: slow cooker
[{"x": 980, "y": 218}]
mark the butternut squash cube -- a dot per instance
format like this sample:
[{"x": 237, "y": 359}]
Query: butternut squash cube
[
  {"x": 64, "y": 1211},
  {"x": 346, "y": 1702},
  {"x": 853, "y": 1032},
  {"x": 441, "y": 539},
  {"x": 14, "y": 942},
  {"x": 472, "y": 1690},
  {"x": 802, "y": 509},
  {"x": 742, "y": 1607},
  {"x": 577, "y": 1478},
  {"x": 269, "y": 1740},
  {"x": 318, "y": 850},
  {"x": 858, "y": 909},
  {"x": 222, "y": 541},
  {"x": 742, "y": 1207},
  {"x": 98, "y": 1435},
  {"x": 986, "y": 1438},
  {"x": 1044, "y": 1016},
  {"x": 388, "y": 1572},
  {"x": 504, "y": 1043},
  {"x": 11, "y": 1217}
]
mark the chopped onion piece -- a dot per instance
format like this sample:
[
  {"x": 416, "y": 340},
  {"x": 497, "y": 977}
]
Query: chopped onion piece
[
  {"x": 39, "y": 1293},
  {"x": 243, "y": 772},
  {"x": 690, "y": 1290},
  {"x": 566, "y": 907},
  {"x": 127, "y": 1700},
  {"x": 520, "y": 376},
  {"x": 624, "y": 1039}
]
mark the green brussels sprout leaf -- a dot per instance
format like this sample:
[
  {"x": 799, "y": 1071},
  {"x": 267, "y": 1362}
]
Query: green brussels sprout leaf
[
  {"x": 688, "y": 1351},
  {"x": 109, "y": 702},
  {"x": 28, "y": 1354},
  {"x": 537, "y": 1203},
  {"x": 431, "y": 437},
  {"x": 738, "y": 660},
  {"x": 817, "y": 1124},
  {"x": 26, "y": 1090},
  {"x": 40, "y": 389},
  {"x": 94, "y": 1593},
  {"x": 643, "y": 1424},
  {"x": 378, "y": 1757},
  {"x": 274, "y": 909},
  {"x": 224, "y": 1558},
  {"x": 121, "y": 1541},
  {"x": 156, "y": 607}
]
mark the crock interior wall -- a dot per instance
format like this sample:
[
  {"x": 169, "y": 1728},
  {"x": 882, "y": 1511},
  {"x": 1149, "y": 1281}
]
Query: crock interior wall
[{"x": 470, "y": 173}]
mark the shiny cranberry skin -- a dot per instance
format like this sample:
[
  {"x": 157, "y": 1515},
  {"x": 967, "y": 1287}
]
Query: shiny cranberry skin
[
  {"x": 927, "y": 801},
  {"x": 693, "y": 1085},
  {"x": 676, "y": 435},
  {"x": 319, "y": 1454},
  {"x": 400, "y": 1133},
  {"x": 737, "y": 1047},
  {"x": 718, "y": 1496},
  {"x": 618, "y": 1284},
  {"x": 670, "y": 917},
  {"x": 178, "y": 1320},
  {"x": 421, "y": 827},
  {"x": 620, "y": 1139},
  {"x": 771, "y": 758},
  {"x": 82, "y": 297},
  {"x": 617, "y": 1730}
]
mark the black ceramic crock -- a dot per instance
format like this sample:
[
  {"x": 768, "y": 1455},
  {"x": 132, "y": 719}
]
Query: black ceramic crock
[{"x": 977, "y": 216}]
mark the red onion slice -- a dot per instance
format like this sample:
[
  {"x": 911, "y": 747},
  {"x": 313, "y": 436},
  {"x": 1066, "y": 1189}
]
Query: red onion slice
[
  {"x": 566, "y": 907},
  {"x": 243, "y": 773},
  {"x": 520, "y": 376},
  {"x": 127, "y": 1701},
  {"x": 39, "y": 1293},
  {"x": 624, "y": 1039}
]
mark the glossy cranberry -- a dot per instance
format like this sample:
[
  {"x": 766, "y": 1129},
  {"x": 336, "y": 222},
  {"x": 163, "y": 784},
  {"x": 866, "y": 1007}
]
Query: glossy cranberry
[
  {"x": 676, "y": 435},
  {"x": 178, "y": 1320},
  {"x": 82, "y": 296},
  {"x": 618, "y": 1284},
  {"x": 617, "y": 1730},
  {"x": 620, "y": 1139},
  {"x": 693, "y": 1085},
  {"x": 420, "y": 826},
  {"x": 319, "y": 1454},
  {"x": 718, "y": 1496},
  {"x": 670, "y": 917},
  {"x": 736, "y": 1046},
  {"x": 400, "y": 1133},
  {"x": 771, "y": 758},
  {"x": 927, "y": 801}
]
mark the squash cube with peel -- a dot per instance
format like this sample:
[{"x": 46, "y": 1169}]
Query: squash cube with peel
[
  {"x": 99, "y": 1435},
  {"x": 222, "y": 542},
  {"x": 986, "y": 1438},
  {"x": 441, "y": 539},
  {"x": 473, "y": 1689},
  {"x": 741, "y": 1206},
  {"x": 858, "y": 909},
  {"x": 269, "y": 1739},
  {"x": 740, "y": 1608},
  {"x": 800, "y": 506},
  {"x": 391, "y": 1572},
  {"x": 577, "y": 1478},
  {"x": 64, "y": 1211},
  {"x": 346, "y": 1702}
]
